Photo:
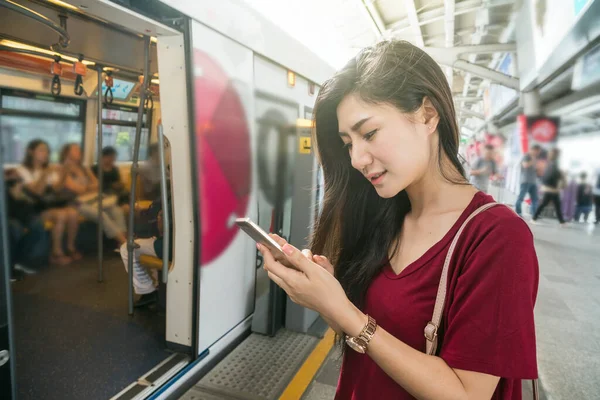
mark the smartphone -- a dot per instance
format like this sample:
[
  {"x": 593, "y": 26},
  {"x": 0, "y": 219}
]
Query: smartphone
[{"x": 260, "y": 236}]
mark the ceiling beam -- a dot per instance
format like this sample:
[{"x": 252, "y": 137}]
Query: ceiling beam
[
  {"x": 450, "y": 57},
  {"x": 468, "y": 99},
  {"x": 375, "y": 19},
  {"x": 438, "y": 14},
  {"x": 413, "y": 19},
  {"x": 466, "y": 111}
]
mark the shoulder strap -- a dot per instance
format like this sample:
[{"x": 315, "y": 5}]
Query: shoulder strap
[{"x": 433, "y": 325}]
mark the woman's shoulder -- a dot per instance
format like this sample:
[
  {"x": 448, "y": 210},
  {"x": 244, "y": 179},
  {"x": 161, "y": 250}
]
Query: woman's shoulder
[{"x": 501, "y": 223}]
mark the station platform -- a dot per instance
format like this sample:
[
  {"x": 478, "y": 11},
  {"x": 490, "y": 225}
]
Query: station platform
[{"x": 293, "y": 366}]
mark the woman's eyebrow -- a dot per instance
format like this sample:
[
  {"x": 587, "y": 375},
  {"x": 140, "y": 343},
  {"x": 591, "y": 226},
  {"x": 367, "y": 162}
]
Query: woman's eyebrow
[{"x": 356, "y": 126}]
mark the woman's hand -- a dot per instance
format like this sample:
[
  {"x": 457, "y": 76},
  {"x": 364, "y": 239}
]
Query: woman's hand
[
  {"x": 319, "y": 260},
  {"x": 313, "y": 286}
]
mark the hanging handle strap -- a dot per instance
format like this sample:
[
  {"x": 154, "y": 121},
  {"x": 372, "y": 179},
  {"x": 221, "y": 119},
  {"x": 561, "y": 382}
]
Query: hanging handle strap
[{"x": 431, "y": 330}]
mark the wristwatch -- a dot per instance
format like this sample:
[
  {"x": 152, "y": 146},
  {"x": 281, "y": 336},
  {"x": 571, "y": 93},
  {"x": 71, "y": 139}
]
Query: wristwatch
[{"x": 360, "y": 343}]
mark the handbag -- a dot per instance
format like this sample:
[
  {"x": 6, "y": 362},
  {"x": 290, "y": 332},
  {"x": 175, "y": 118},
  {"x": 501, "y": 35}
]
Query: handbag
[
  {"x": 431, "y": 330},
  {"x": 49, "y": 199},
  {"x": 92, "y": 199}
]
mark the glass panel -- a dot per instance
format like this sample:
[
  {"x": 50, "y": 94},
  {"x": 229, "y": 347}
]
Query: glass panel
[
  {"x": 121, "y": 138},
  {"x": 17, "y": 132},
  {"x": 121, "y": 115},
  {"x": 120, "y": 89},
  {"x": 41, "y": 106}
]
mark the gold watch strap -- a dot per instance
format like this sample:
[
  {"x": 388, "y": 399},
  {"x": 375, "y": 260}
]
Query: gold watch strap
[{"x": 366, "y": 334}]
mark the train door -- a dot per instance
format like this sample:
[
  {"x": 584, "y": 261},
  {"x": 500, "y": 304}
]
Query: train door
[
  {"x": 7, "y": 364},
  {"x": 275, "y": 125}
]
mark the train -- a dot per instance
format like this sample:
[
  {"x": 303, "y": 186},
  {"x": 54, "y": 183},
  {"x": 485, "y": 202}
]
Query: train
[{"x": 229, "y": 98}]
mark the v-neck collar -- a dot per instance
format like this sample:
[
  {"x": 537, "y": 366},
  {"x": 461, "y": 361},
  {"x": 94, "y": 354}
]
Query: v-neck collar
[{"x": 434, "y": 250}]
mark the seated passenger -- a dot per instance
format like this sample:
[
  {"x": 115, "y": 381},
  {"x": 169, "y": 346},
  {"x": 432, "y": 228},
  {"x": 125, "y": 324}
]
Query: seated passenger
[
  {"x": 143, "y": 280},
  {"x": 149, "y": 173},
  {"x": 26, "y": 234},
  {"x": 80, "y": 181},
  {"x": 42, "y": 184},
  {"x": 112, "y": 183}
]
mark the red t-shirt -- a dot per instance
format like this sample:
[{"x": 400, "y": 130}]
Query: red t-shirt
[{"x": 488, "y": 323}]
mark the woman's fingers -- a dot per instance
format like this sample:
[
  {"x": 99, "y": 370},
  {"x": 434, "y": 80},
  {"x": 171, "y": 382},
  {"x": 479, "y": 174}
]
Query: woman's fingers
[
  {"x": 280, "y": 241},
  {"x": 308, "y": 254},
  {"x": 323, "y": 262}
]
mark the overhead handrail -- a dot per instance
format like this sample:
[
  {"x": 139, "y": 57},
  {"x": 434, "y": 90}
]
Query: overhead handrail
[
  {"x": 166, "y": 219},
  {"x": 131, "y": 245},
  {"x": 64, "y": 37},
  {"x": 122, "y": 70},
  {"x": 80, "y": 70},
  {"x": 108, "y": 94},
  {"x": 56, "y": 71}
]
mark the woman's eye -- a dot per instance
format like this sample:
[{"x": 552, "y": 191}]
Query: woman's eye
[
  {"x": 347, "y": 146},
  {"x": 370, "y": 135}
]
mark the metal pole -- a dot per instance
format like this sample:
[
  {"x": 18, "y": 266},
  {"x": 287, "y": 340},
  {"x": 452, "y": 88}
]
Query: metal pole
[
  {"x": 100, "y": 180},
  {"x": 165, "y": 205},
  {"x": 134, "y": 170}
]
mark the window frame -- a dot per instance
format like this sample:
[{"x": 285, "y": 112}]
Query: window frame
[
  {"x": 128, "y": 108},
  {"x": 27, "y": 94}
]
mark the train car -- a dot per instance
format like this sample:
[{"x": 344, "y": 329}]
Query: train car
[{"x": 228, "y": 98}]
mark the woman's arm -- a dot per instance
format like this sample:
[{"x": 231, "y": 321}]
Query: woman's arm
[
  {"x": 71, "y": 184},
  {"x": 93, "y": 181},
  {"x": 38, "y": 187},
  {"x": 422, "y": 375}
]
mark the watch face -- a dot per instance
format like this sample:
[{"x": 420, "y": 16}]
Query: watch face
[{"x": 354, "y": 346}]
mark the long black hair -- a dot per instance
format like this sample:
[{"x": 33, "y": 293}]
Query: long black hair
[
  {"x": 356, "y": 228},
  {"x": 31, "y": 147}
]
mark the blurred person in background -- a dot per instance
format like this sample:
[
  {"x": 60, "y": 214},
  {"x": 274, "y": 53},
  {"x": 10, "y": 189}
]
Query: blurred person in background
[
  {"x": 27, "y": 239},
  {"x": 584, "y": 198},
  {"x": 144, "y": 279},
  {"x": 112, "y": 183},
  {"x": 528, "y": 180},
  {"x": 80, "y": 181},
  {"x": 149, "y": 174},
  {"x": 484, "y": 168},
  {"x": 552, "y": 183},
  {"x": 43, "y": 184}
]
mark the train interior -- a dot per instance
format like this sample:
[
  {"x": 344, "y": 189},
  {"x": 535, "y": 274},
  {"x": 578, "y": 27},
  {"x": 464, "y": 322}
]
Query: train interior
[
  {"x": 72, "y": 318},
  {"x": 248, "y": 155}
]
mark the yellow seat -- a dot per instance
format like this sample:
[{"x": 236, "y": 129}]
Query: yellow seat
[{"x": 153, "y": 262}]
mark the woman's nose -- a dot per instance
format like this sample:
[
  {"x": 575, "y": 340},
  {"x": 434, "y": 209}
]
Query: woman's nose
[{"x": 360, "y": 157}]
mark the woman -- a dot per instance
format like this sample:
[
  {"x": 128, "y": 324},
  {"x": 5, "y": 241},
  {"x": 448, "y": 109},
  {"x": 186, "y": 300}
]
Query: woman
[
  {"x": 38, "y": 178},
  {"x": 81, "y": 181},
  {"x": 552, "y": 180},
  {"x": 395, "y": 197}
]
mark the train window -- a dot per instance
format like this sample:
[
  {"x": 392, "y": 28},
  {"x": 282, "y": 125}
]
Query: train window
[
  {"x": 26, "y": 116},
  {"x": 118, "y": 131}
]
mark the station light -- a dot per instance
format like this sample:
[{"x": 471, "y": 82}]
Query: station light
[
  {"x": 63, "y": 4},
  {"x": 304, "y": 123},
  {"x": 291, "y": 79},
  {"x": 22, "y": 46}
]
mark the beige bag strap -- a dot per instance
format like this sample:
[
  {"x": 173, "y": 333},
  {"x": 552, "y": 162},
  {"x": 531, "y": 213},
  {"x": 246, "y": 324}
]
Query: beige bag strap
[{"x": 432, "y": 326}]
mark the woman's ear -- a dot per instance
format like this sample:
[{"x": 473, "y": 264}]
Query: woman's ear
[{"x": 430, "y": 116}]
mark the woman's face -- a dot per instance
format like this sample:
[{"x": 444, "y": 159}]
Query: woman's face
[
  {"x": 40, "y": 154},
  {"x": 75, "y": 154},
  {"x": 389, "y": 149}
]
